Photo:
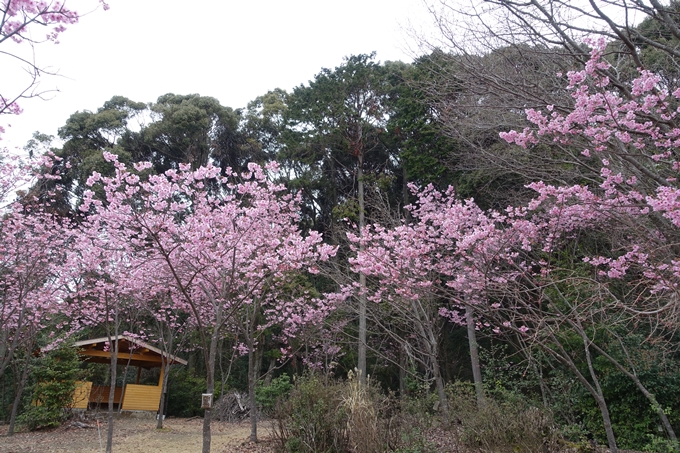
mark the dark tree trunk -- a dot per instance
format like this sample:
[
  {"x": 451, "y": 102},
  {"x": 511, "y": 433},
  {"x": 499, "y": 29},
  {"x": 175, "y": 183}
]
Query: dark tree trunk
[
  {"x": 441, "y": 390},
  {"x": 599, "y": 395},
  {"x": 259, "y": 356},
  {"x": 426, "y": 329},
  {"x": 403, "y": 363},
  {"x": 20, "y": 391},
  {"x": 270, "y": 371}
]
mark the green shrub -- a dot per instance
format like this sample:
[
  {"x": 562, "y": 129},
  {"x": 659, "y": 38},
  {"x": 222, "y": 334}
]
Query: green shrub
[
  {"x": 419, "y": 408},
  {"x": 266, "y": 396},
  {"x": 633, "y": 418},
  {"x": 324, "y": 415},
  {"x": 184, "y": 393},
  {"x": 54, "y": 377},
  {"x": 312, "y": 419},
  {"x": 658, "y": 444},
  {"x": 413, "y": 441},
  {"x": 504, "y": 423}
]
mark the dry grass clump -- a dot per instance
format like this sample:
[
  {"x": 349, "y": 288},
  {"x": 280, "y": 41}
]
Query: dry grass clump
[
  {"x": 324, "y": 415},
  {"x": 370, "y": 416}
]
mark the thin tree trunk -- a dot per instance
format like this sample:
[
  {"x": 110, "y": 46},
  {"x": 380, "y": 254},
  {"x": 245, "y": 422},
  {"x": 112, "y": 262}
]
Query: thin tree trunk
[
  {"x": 19, "y": 393},
  {"x": 164, "y": 390},
  {"x": 259, "y": 357},
  {"x": 210, "y": 384},
  {"x": 607, "y": 422},
  {"x": 7, "y": 352},
  {"x": 593, "y": 388},
  {"x": 167, "y": 342},
  {"x": 474, "y": 355},
  {"x": 649, "y": 395},
  {"x": 112, "y": 393},
  {"x": 252, "y": 379},
  {"x": 361, "y": 365},
  {"x": 541, "y": 382},
  {"x": 441, "y": 389},
  {"x": 225, "y": 376},
  {"x": 425, "y": 326},
  {"x": 403, "y": 363},
  {"x": 658, "y": 408},
  {"x": 436, "y": 373},
  {"x": 161, "y": 408},
  {"x": 361, "y": 362},
  {"x": 405, "y": 193},
  {"x": 123, "y": 385},
  {"x": 270, "y": 371},
  {"x": 599, "y": 396},
  {"x": 403, "y": 353}
]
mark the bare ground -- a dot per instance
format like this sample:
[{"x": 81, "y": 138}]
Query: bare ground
[
  {"x": 139, "y": 436},
  {"x": 179, "y": 435}
]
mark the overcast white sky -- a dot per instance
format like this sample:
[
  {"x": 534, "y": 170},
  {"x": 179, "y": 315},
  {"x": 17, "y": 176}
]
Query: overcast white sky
[{"x": 233, "y": 50}]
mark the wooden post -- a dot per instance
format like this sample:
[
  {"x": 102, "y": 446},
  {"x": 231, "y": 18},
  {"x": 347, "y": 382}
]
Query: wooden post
[{"x": 139, "y": 373}]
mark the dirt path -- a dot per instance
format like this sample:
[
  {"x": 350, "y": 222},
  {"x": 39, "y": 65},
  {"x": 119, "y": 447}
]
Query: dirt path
[{"x": 139, "y": 436}]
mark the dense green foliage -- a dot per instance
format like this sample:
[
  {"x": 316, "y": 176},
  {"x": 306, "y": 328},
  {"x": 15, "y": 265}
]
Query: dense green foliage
[
  {"x": 312, "y": 418},
  {"x": 50, "y": 396},
  {"x": 184, "y": 392},
  {"x": 268, "y": 395}
]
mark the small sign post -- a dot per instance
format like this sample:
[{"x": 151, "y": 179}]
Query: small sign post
[{"x": 206, "y": 401}]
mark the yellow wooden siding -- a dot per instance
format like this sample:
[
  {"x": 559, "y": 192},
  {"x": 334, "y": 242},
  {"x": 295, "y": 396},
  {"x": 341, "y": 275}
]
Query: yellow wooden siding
[
  {"x": 81, "y": 396},
  {"x": 100, "y": 394},
  {"x": 141, "y": 397}
]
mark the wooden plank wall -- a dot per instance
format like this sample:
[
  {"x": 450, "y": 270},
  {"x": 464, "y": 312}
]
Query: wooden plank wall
[
  {"x": 100, "y": 394},
  {"x": 141, "y": 397},
  {"x": 82, "y": 395},
  {"x": 136, "y": 397}
]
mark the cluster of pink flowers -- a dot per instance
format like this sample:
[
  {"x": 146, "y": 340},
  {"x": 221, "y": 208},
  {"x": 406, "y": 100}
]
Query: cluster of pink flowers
[
  {"x": 221, "y": 250},
  {"x": 17, "y": 17},
  {"x": 459, "y": 255}
]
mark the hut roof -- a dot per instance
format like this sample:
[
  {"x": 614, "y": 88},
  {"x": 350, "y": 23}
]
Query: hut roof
[{"x": 130, "y": 351}]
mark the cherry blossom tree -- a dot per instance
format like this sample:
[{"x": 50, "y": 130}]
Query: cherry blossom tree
[
  {"x": 514, "y": 269},
  {"x": 433, "y": 268},
  {"x": 163, "y": 322},
  {"x": 104, "y": 291},
  {"x": 227, "y": 244},
  {"x": 463, "y": 264},
  {"x": 633, "y": 140},
  {"x": 32, "y": 249}
]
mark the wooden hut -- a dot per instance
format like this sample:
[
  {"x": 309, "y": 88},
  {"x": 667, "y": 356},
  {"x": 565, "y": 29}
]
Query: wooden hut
[{"x": 131, "y": 352}]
